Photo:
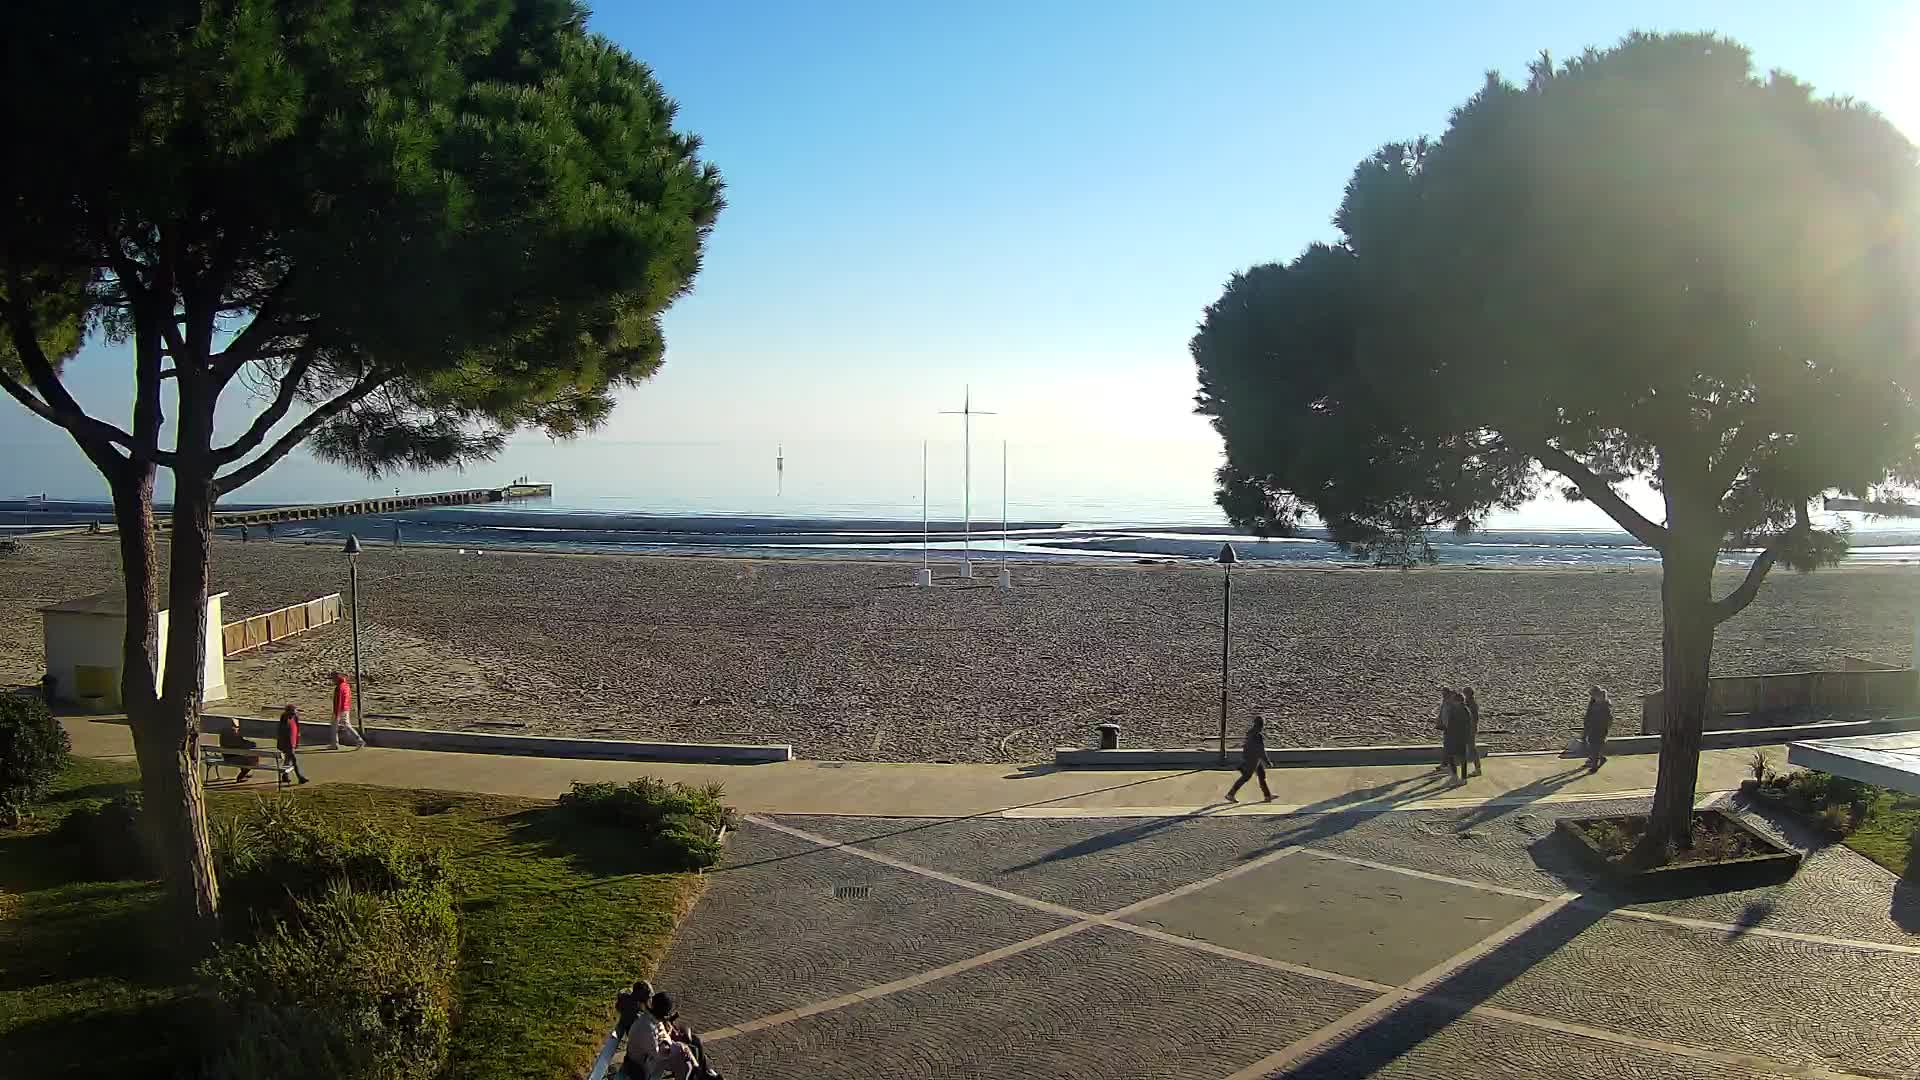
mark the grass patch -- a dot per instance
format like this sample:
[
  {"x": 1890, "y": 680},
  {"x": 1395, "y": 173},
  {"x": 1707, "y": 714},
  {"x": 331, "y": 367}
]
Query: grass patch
[
  {"x": 556, "y": 914},
  {"x": 1891, "y": 836}
]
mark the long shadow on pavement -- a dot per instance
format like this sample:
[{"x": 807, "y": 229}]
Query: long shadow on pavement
[
  {"x": 1521, "y": 797},
  {"x": 934, "y": 823},
  {"x": 1402, "y": 1029},
  {"x": 1332, "y": 816}
]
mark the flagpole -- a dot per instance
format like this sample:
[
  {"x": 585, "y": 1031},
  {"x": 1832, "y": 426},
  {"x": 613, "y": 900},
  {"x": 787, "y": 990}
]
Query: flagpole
[{"x": 926, "y": 555}]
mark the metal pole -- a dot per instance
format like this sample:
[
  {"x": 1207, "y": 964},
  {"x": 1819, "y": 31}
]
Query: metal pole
[
  {"x": 353, "y": 598},
  {"x": 926, "y": 556},
  {"x": 966, "y": 472},
  {"x": 1003, "y": 504},
  {"x": 1226, "y": 624}
]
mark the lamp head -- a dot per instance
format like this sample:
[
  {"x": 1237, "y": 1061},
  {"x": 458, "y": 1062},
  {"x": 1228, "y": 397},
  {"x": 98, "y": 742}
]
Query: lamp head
[
  {"x": 353, "y": 545},
  {"x": 1226, "y": 556}
]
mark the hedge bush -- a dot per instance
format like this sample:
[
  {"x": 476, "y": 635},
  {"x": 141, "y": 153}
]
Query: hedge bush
[
  {"x": 679, "y": 824},
  {"x": 111, "y": 840},
  {"x": 343, "y": 946},
  {"x": 33, "y": 746}
]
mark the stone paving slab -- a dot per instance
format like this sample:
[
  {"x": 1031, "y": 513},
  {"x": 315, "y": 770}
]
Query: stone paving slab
[
  {"x": 1426, "y": 1041},
  {"x": 1835, "y": 893},
  {"x": 1100, "y": 1005},
  {"x": 1336, "y": 916},
  {"x": 769, "y": 934},
  {"x": 1093, "y": 865},
  {"x": 1788, "y": 1000}
]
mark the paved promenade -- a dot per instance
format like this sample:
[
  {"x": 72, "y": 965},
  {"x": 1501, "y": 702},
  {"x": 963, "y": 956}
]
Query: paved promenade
[
  {"x": 934, "y": 921},
  {"x": 931, "y": 790}
]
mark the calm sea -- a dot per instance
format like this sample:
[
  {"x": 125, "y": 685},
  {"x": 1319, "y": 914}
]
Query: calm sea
[{"x": 1114, "y": 500}]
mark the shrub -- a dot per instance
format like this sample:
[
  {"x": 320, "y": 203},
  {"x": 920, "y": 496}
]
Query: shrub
[
  {"x": 1837, "y": 818},
  {"x": 1760, "y": 767},
  {"x": 343, "y": 950},
  {"x": 358, "y": 985},
  {"x": 277, "y": 854},
  {"x": 680, "y": 824},
  {"x": 111, "y": 840},
  {"x": 33, "y": 746}
]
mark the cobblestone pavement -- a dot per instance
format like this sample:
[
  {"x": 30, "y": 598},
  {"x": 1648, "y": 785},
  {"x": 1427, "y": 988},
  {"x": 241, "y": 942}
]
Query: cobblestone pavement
[{"x": 1414, "y": 944}]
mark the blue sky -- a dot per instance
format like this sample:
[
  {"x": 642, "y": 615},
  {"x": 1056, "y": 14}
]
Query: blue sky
[{"x": 1039, "y": 198}]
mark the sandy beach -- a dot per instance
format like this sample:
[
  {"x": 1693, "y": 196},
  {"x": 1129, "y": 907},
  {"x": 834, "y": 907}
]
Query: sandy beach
[{"x": 845, "y": 662}]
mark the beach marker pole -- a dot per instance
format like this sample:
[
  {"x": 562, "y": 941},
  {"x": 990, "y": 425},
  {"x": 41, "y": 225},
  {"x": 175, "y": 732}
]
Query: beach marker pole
[
  {"x": 967, "y": 413},
  {"x": 1226, "y": 558},
  {"x": 1006, "y": 575},
  {"x": 924, "y": 576}
]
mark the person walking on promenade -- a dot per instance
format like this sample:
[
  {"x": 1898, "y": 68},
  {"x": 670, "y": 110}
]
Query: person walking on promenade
[
  {"x": 1599, "y": 722},
  {"x": 1253, "y": 760},
  {"x": 343, "y": 731},
  {"x": 1440, "y": 724},
  {"x": 1455, "y": 722},
  {"x": 288, "y": 741},
  {"x": 1473, "y": 730}
]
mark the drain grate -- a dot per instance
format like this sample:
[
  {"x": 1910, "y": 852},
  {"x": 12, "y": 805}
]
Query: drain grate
[{"x": 851, "y": 892}]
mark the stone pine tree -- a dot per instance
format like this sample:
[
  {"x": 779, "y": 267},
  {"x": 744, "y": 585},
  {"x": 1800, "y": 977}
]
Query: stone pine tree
[
  {"x": 393, "y": 232},
  {"x": 1646, "y": 262}
]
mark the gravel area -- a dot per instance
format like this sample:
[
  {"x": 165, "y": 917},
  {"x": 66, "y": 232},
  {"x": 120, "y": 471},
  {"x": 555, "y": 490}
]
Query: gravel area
[{"x": 843, "y": 661}]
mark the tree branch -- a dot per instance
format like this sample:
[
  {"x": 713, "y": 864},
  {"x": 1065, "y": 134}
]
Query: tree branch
[
  {"x": 246, "y": 345},
  {"x": 54, "y": 404},
  {"x": 1746, "y": 439},
  {"x": 1736, "y": 601},
  {"x": 298, "y": 433},
  {"x": 275, "y": 412},
  {"x": 1600, "y": 493}
]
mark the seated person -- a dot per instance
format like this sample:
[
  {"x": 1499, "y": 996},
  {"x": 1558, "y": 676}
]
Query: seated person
[
  {"x": 660, "y": 1008},
  {"x": 230, "y": 738}
]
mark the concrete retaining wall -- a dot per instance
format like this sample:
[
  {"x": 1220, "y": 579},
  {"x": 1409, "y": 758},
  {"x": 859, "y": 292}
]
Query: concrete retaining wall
[
  {"x": 1146, "y": 758},
  {"x": 471, "y": 742},
  {"x": 1729, "y": 697}
]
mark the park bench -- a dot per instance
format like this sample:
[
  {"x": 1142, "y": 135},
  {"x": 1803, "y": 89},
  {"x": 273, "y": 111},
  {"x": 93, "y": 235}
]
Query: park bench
[{"x": 214, "y": 757}]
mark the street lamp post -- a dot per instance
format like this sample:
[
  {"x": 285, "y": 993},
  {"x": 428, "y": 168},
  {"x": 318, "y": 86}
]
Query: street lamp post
[
  {"x": 353, "y": 601},
  {"x": 1226, "y": 558}
]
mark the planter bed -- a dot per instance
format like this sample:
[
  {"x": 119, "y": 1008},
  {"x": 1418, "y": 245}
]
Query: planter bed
[{"x": 1722, "y": 845}]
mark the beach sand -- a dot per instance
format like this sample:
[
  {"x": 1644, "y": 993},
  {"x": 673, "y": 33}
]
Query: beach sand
[{"x": 845, "y": 662}]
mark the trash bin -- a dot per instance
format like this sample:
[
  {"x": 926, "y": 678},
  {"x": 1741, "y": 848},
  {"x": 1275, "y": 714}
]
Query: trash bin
[{"x": 1109, "y": 736}]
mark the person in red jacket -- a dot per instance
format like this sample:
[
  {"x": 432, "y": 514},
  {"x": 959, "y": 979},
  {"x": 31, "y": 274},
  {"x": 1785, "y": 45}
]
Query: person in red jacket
[
  {"x": 343, "y": 730},
  {"x": 288, "y": 740}
]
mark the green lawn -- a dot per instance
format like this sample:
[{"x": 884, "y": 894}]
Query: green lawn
[
  {"x": 556, "y": 916},
  {"x": 1888, "y": 835}
]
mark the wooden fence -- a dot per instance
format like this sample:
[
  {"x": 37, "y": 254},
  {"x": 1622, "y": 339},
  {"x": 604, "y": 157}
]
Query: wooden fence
[
  {"x": 251, "y": 633},
  {"x": 1730, "y": 698}
]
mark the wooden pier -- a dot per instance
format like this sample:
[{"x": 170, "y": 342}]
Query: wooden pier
[{"x": 387, "y": 505}]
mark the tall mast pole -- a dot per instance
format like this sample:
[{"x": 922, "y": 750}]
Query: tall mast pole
[
  {"x": 966, "y": 413},
  {"x": 926, "y": 555}
]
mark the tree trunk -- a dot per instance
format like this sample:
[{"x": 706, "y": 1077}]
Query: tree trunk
[
  {"x": 174, "y": 734},
  {"x": 1686, "y": 655},
  {"x": 163, "y": 741}
]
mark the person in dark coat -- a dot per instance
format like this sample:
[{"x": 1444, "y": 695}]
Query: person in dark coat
[
  {"x": 231, "y": 739},
  {"x": 287, "y": 739},
  {"x": 1599, "y": 722},
  {"x": 1253, "y": 760},
  {"x": 1473, "y": 731},
  {"x": 1455, "y": 722}
]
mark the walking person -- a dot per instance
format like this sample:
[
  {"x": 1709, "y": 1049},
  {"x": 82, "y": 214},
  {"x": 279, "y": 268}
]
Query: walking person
[
  {"x": 1455, "y": 723},
  {"x": 1440, "y": 724},
  {"x": 343, "y": 730},
  {"x": 1599, "y": 722},
  {"x": 288, "y": 741},
  {"x": 1473, "y": 730},
  {"x": 1253, "y": 760}
]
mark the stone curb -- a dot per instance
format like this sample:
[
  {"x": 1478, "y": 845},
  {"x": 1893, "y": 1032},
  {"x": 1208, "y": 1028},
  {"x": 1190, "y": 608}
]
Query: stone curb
[{"x": 473, "y": 742}]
